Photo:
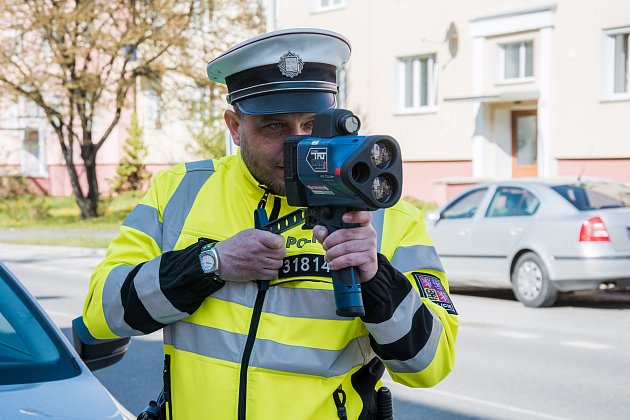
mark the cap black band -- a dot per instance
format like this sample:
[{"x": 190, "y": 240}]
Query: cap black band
[{"x": 268, "y": 79}]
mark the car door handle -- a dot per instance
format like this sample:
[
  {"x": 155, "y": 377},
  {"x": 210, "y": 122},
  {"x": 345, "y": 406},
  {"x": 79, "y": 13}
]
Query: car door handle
[
  {"x": 516, "y": 230},
  {"x": 464, "y": 231}
]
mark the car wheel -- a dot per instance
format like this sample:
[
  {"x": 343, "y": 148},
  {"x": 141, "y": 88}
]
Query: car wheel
[{"x": 530, "y": 282}]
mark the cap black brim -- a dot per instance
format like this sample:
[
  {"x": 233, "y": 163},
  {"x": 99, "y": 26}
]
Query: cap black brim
[{"x": 287, "y": 103}]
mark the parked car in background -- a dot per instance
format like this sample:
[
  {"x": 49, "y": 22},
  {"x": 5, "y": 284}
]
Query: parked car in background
[
  {"x": 41, "y": 375},
  {"x": 537, "y": 236}
]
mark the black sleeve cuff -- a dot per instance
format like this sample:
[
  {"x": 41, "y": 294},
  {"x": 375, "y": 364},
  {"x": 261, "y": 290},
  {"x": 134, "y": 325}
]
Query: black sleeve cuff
[
  {"x": 183, "y": 281},
  {"x": 384, "y": 292}
]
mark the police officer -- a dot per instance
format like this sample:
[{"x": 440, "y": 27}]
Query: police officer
[{"x": 187, "y": 259}]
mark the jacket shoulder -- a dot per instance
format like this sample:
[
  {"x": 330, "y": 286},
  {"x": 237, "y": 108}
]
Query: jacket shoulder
[{"x": 404, "y": 208}]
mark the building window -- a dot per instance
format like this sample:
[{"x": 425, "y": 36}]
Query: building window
[
  {"x": 417, "y": 76},
  {"x": 325, "y": 5},
  {"x": 517, "y": 61},
  {"x": 33, "y": 154},
  {"x": 617, "y": 61},
  {"x": 29, "y": 109}
]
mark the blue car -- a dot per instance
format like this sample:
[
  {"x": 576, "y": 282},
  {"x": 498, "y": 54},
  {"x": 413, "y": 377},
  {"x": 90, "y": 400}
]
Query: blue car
[{"x": 41, "y": 374}]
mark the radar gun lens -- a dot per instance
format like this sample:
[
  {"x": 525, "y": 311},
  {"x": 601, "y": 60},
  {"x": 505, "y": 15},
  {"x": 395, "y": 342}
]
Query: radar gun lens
[
  {"x": 381, "y": 155},
  {"x": 382, "y": 189}
]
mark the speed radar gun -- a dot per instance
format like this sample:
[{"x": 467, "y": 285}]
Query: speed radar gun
[{"x": 331, "y": 172}]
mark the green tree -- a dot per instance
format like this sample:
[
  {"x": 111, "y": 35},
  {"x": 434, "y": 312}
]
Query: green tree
[
  {"x": 206, "y": 126},
  {"x": 131, "y": 172},
  {"x": 205, "y": 112},
  {"x": 76, "y": 58}
]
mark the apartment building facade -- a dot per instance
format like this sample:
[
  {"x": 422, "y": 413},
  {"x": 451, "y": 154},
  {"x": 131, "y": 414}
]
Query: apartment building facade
[{"x": 477, "y": 90}]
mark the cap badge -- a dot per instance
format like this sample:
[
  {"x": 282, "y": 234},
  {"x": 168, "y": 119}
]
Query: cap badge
[{"x": 290, "y": 65}]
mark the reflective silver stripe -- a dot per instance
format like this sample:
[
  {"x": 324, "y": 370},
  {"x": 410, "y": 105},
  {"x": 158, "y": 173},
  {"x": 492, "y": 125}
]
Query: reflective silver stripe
[
  {"x": 236, "y": 292},
  {"x": 178, "y": 207},
  {"x": 268, "y": 354},
  {"x": 200, "y": 165},
  {"x": 112, "y": 303},
  {"x": 146, "y": 219},
  {"x": 285, "y": 301},
  {"x": 416, "y": 257},
  {"x": 206, "y": 341},
  {"x": 302, "y": 303},
  {"x": 425, "y": 356},
  {"x": 147, "y": 284},
  {"x": 399, "y": 324},
  {"x": 378, "y": 218}
]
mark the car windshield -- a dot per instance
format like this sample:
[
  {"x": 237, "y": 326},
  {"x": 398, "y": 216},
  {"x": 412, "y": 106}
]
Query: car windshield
[
  {"x": 29, "y": 351},
  {"x": 595, "y": 195}
]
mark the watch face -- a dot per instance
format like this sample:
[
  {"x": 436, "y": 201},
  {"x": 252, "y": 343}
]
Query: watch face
[{"x": 207, "y": 262}]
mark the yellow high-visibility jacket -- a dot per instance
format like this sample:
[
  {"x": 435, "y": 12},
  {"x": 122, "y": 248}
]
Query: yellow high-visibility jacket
[{"x": 247, "y": 351}]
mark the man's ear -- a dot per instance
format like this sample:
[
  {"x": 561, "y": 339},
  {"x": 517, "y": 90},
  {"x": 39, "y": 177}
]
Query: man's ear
[{"x": 233, "y": 122}]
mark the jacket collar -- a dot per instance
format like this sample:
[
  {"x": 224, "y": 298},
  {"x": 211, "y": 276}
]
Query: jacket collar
[{"x": 244, "y": 179}]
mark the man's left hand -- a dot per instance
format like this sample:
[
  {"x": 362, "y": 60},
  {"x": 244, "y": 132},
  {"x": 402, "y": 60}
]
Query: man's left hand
[{"x": 352, "y": 247}]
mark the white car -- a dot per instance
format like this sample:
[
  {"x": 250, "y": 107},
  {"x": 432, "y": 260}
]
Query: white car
[
  {"x": 41, "y": 375},
  {"x": 539, "y": 237}
]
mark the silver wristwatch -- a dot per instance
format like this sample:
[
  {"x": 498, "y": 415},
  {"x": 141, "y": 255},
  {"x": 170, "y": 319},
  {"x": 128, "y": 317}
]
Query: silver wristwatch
[{"x": 209, "y": 259}]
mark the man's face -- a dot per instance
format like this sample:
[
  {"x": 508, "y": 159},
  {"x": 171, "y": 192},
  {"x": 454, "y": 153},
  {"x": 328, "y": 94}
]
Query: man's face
[{"x": 261, "y": 138}]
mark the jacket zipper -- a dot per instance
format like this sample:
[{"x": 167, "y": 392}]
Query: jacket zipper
[
  {"x": 263, "y": 286},
  {"x": 166, "y": 373}
]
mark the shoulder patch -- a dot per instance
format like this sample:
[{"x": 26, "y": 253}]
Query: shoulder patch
[{"x": 431, "y": 287}]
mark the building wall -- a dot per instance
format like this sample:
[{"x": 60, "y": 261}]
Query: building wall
[{"x": 472, "y": 139}]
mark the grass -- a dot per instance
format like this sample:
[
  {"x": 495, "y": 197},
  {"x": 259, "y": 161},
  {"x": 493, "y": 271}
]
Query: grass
[{"x": 30, "y": 212}]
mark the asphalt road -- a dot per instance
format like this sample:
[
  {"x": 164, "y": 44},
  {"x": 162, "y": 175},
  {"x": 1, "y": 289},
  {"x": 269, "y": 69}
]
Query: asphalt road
[{"x": 571, "y": 361}]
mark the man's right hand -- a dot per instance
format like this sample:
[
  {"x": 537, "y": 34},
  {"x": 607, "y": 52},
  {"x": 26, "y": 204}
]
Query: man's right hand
[{"x": 251, "y": 254}]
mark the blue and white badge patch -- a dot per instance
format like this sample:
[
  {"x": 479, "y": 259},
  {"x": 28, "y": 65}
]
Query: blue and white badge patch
[{"x": 431, "y": 288}]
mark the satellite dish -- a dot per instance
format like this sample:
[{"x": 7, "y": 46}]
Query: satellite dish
[{"x": 453, "y": 39}]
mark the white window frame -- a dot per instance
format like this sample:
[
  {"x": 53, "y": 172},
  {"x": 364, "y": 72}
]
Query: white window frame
[
  {"x": 521, "y": 62},
  {"x": 432, "y": 70},
  {"x": 319, "y": 6},
  {"x": 41, "y": 169},
  {"x": 608, "y": 82}
]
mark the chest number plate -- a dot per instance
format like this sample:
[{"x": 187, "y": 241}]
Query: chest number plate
[{"x": 304, "y": 265}]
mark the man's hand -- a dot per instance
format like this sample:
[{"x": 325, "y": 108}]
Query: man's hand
[
  {"x": 251, "y": 254},
  {"x": 353, "y": 247}
]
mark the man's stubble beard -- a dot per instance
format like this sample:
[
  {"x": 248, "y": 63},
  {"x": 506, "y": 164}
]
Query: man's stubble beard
[{"x": 259, "y": 172}]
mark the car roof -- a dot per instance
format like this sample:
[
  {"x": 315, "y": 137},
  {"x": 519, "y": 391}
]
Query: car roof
[{"x": 550, "y": 181}]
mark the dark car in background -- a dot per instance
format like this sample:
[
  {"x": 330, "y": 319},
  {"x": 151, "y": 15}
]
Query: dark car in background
[
  {"x": 41, "y": 374},
  {"x": 539, "y": 237}
]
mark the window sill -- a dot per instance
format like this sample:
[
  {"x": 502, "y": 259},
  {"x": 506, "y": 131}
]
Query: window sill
[
  {"x": 35, "y": 175},
  {"x": 617, "y": 98},
  {"x": 416, "y": 111},
  {"x": 328, "y": 9},
  {"x": 514, "y": 81}
]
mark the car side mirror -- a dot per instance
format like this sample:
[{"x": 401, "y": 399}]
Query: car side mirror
[
  {"x": 433, "y": 216},
  {"x": 97, "y": 353}
]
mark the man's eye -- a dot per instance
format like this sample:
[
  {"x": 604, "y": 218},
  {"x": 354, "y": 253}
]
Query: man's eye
[{"x": 275, "y": 126}]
